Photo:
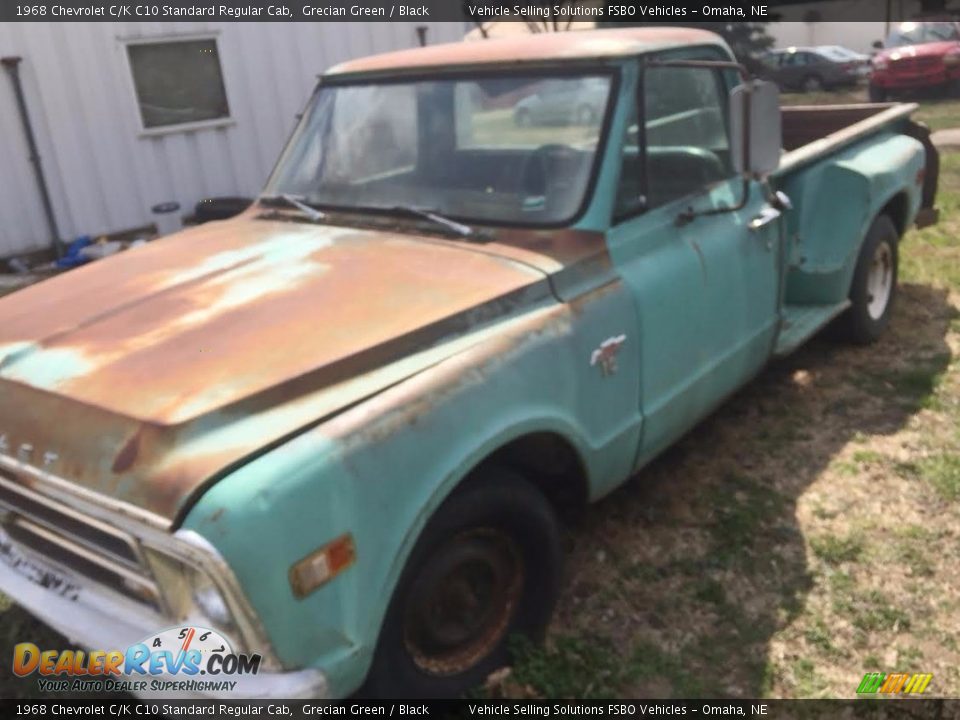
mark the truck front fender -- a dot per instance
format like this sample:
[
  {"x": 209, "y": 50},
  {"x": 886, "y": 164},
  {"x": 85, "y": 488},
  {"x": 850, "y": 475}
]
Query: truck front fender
[{"x": 379, "y": 470}]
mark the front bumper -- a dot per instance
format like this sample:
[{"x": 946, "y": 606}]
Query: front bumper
[
  {"x": 100, "y": 620},
  {"x": 69, "y": 572},
  {"x": 911, "y": 81}
]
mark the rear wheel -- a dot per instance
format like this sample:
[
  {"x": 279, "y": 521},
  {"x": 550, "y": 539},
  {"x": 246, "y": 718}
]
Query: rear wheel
[
  {"x": 877, "y": 93},
  {"x": 487, "y": 566},
  {"x": 874, "y": 286}
]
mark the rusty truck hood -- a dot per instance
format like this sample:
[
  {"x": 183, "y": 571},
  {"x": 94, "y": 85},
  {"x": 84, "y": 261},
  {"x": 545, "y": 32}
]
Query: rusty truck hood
[{"x": 142, "y": 375}]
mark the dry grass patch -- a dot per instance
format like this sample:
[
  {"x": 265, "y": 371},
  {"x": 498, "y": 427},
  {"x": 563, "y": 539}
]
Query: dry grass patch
[{"x": 807, "y": 532}]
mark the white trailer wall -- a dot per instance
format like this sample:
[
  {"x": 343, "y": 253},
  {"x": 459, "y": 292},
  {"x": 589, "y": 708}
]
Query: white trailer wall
[{"x": 104, "y": 173}]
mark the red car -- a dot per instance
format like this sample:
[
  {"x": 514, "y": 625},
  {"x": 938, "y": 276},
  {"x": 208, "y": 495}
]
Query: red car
[{"x": 917, "y": 55}]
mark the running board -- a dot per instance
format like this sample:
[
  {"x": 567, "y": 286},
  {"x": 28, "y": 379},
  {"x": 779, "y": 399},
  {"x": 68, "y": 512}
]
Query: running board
[{"x": 800, "y": 322}]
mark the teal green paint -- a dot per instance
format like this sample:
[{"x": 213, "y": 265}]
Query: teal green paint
[
  {"x": 698, "y": 305},
  {"x": 45, "y": 367},
  {"x": 292, "y": 500},
  {"x": 836, "y": 199}
]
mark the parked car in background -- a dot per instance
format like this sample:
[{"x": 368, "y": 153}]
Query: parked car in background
[
  {"x": 816, "y": 68},
  {"x": 917, "y": 56},
  {"x": 551, "y": 104}
]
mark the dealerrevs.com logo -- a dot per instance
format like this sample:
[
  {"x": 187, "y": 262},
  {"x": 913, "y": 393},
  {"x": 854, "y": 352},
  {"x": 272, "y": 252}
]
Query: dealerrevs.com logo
[{"x": 185, "y": 659}]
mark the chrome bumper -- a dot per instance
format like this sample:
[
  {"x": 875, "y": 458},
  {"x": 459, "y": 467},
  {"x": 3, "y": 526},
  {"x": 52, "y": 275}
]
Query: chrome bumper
[
  {"x": 59, "y": 542},
  {"x": 99, "y": 620}
]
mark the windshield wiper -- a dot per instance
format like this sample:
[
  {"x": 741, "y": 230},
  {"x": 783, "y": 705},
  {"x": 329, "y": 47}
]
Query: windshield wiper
[
  {"x": 459, "y": 228},
  {"x": 297, "y": 202}
]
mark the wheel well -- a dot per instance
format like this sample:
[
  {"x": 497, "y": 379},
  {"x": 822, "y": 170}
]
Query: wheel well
[
  {"x": 550, "y": 462},
  {"x": 896, "y": 209}
]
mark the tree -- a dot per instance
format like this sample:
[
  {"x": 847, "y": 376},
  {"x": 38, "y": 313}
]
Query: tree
[{"x": 748, "y": 40}]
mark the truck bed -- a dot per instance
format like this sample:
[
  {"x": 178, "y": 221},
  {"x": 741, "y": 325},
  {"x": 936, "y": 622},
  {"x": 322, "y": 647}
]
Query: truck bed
[
  {"x": 828, "y": 153},
  {"x": 811, "y": 132}
]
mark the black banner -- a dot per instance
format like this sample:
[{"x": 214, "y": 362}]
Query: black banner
[
  {"x": 867, "y": 709},
  {"x": 602, "y": 12}
]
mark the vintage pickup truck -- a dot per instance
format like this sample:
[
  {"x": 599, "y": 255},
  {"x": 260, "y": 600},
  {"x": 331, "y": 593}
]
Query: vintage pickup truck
[{"x": 342, "y": 428}]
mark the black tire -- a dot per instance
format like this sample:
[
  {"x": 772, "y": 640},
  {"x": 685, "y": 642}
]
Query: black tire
[
  {"x": 860, "y": 324},
  {"x": 495, "y": 545},
  {"x": 876, "y": 94},
  {"x": 812, "y": 83}
]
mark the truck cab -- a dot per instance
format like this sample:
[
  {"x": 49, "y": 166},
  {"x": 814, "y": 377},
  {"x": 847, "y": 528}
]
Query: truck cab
[{"x": 343, "y": 429}]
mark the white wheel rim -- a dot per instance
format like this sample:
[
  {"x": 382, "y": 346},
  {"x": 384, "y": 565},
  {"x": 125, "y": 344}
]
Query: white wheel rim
[{"x": 880, "y": 281}]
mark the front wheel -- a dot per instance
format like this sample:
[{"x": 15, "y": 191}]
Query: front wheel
[
  {"x": 487, "y": 566},
  {"x": 874, "y": 286},
  {"x": 877, "y": 94},
  {"x": 812, "y": 83}
]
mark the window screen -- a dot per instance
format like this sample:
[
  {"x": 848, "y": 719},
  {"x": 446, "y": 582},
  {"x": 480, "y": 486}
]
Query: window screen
[{"x": 178, "y": 82}]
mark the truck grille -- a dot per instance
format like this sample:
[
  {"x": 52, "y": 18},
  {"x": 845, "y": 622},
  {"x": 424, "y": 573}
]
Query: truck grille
[
  {"x": 915, "y": 64},
  {"x": 80, "y": 544}
]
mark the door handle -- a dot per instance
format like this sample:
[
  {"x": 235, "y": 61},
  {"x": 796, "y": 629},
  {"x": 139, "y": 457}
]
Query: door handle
[{"x": 767, "y": 215}]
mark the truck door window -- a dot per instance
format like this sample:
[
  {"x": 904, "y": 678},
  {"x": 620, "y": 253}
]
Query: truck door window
[{"x": 687, "y": 146}]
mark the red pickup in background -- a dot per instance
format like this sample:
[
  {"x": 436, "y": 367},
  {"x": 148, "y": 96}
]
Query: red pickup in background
[{"x": 917, "y": 56}]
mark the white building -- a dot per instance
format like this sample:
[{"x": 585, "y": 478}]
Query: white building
[{"x": 130, "y": 115}]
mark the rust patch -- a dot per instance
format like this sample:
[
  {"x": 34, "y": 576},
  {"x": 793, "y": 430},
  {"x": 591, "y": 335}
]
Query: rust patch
[
  {"x": 127, "y": 455},
  {"x": 544, "y": 47},
  {"x": 181, "y": 353}
]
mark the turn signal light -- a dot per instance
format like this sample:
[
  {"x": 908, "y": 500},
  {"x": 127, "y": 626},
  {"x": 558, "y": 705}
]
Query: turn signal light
[{"x": 322, "y": 565}]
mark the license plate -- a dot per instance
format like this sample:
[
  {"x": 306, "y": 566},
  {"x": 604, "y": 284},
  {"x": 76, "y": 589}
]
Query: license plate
[{"x": 38, "y": 573}]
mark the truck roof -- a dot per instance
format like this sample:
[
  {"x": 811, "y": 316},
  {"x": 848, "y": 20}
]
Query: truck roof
[{"x": 535, "y": 48}]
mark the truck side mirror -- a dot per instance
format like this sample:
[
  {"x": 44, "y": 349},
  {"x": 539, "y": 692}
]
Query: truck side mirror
[{"x": 755, "y": 128}]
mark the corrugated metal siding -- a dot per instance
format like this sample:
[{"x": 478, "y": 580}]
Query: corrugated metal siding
[{"x": 103, "y": 174}]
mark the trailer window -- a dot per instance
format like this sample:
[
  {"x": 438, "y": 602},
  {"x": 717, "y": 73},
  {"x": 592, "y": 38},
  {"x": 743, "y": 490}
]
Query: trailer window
[{"x": 178, "y": 82}]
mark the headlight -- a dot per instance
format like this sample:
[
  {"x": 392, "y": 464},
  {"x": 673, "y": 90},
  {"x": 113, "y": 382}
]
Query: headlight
[
  {"x": 951, "y": 59},
  {"x": 209, "y": 600}
]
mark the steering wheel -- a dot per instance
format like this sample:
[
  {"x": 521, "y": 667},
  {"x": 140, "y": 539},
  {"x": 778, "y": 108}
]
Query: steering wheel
[{"x": 535, "y": 174}]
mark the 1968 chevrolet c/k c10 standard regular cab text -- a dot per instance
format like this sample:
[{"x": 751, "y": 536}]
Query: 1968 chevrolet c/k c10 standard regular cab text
[{"x": 340, "y": 428}]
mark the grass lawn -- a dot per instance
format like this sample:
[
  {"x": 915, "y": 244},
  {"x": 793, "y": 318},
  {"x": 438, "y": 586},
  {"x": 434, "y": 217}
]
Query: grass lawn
[{"x": 808, "y": 532}]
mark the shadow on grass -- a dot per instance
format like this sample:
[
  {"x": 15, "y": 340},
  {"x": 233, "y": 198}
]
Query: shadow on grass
[{"x": 679, "y": 580}]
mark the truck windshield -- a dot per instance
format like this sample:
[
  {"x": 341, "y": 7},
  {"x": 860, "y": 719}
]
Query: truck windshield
[
  {"x": 919, "y": 33},
  {"x": 517, "y": 149}
]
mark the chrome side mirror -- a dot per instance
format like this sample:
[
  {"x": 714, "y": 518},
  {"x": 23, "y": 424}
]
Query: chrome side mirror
[{"x": 756, "y": 133}]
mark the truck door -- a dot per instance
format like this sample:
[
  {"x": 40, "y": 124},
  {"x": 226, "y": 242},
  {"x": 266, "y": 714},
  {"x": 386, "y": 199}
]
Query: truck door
[{"x": 705, "y": 285}]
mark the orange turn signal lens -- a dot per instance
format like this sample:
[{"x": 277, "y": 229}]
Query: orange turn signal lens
[{"x": 322, "y": 565}]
